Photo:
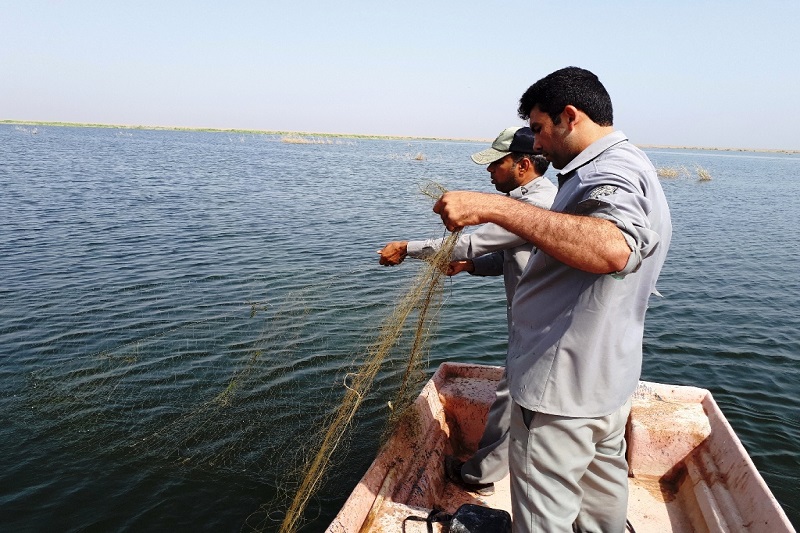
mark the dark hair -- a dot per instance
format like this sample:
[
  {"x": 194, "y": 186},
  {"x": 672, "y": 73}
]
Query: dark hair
[
  {"x": 568, "y": 86},
  {"x": 539, "y": 162}
]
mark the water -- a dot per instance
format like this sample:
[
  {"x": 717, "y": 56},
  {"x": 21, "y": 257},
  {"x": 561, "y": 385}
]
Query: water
[{"x": 179, "y": 309}]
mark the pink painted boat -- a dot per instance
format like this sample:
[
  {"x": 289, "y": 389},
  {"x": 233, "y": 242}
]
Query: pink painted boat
[{"x": 688, "y": 470}]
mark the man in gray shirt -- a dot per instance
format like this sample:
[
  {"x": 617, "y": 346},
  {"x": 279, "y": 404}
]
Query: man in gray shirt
[
  {"x": 491, "y": 251},
  {"x": 575, "y": 349}
]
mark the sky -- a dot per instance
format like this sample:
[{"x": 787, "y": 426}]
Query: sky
[{"x": 720, "y": 74}]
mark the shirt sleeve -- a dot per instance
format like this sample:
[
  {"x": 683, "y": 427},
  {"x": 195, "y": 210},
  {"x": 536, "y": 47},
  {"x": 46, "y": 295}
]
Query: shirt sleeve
[
  {"x": 620, "y": 200},
  {"x": 423, "y": 249}
]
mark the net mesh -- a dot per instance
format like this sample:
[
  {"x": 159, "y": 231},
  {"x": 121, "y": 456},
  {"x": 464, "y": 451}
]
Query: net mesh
[{"x": 422, "y": 300}]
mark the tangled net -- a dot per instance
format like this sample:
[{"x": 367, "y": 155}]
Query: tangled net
[{"x": 424, "y": 299}]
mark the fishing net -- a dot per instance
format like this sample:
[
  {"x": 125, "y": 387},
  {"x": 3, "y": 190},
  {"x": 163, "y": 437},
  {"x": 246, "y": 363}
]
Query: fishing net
[
  {"x": 190, "y": 387},
  {"x": 170, "y": 394},
  {"x": 422, "y": 301}
]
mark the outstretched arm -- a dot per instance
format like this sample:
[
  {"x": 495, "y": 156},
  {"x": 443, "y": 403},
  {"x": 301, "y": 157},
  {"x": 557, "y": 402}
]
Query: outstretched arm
[{"x": 583, "y": 242}]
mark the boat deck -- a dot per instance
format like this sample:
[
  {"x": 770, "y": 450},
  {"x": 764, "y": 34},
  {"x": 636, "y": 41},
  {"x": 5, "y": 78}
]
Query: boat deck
[{"x": 688, "y": 472}]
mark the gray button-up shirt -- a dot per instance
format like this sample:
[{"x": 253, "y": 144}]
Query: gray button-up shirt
[
  {"x": 493, "y": 249},
  {"x": 575, "y": 347}
]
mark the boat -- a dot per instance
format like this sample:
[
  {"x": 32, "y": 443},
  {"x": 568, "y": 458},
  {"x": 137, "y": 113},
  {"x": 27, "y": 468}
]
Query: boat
[{"x": 688, "y": 471}]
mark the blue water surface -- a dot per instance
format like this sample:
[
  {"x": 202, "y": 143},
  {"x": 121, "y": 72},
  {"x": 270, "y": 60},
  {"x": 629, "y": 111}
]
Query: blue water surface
[{"x": 179, "y": 311}]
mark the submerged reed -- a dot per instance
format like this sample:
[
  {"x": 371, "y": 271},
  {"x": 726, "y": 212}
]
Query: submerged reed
[
  {"x": 702, "y": 174},
  {"x": 672, "y": 172}
]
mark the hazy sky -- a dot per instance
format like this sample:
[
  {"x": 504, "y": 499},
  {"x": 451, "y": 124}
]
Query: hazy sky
[{"x": 724, "y": 74}]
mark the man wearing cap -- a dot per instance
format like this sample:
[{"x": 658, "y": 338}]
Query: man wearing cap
[
  {"x": 575, "y": 343},
  {"x": 491, "y": 251}
]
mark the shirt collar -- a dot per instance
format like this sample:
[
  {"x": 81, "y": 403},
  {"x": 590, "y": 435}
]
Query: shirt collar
[
  {"x": 522, "y": 190},
  {"x": 591, "y": 152}
]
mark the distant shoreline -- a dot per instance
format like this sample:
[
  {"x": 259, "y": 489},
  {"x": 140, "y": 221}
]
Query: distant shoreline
[
  {"x": 235, "y": 130},
  {"x": 351, "y": 135}
]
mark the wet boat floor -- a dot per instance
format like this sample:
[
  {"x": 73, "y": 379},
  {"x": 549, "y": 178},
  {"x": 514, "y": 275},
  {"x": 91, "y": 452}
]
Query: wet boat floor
[{"x": 650, "y": 507}]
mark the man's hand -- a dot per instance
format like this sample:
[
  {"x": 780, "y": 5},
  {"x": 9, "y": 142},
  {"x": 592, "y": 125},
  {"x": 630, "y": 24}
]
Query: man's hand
[
  {"x": 393, "y": 253},
  {"x": 460, "y": 266},
  {"x": 460, "y": 208}
]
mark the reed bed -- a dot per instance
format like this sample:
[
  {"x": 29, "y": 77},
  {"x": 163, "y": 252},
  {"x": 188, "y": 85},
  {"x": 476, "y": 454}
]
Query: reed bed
[{"x": 299, "y": 139}]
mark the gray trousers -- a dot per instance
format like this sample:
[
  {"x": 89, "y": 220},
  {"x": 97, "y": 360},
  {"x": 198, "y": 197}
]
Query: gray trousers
[
  {"x": 568, "y": 471},
  {"x": 490, "y": 462}
]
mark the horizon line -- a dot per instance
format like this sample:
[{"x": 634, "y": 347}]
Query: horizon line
[{"x": 348, "y": 135}]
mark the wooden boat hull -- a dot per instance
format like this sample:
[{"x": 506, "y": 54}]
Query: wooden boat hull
[{"x": 688, "y": 470}]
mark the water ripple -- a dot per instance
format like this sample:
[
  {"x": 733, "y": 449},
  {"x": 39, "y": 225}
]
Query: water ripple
[{"x": 180, "y": 310}]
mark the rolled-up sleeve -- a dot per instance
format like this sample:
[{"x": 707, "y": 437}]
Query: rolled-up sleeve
[{"x": 618, "y": 200}]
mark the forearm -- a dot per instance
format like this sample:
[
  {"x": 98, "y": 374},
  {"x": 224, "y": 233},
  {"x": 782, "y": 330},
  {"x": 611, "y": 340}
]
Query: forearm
[{"x": 587, "y": 243}]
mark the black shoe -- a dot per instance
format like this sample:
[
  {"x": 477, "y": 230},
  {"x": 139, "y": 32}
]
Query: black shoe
[{"x": 452, "y": 470}]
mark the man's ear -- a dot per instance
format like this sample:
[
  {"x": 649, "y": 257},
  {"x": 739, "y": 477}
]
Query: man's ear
[{"x": 571, "y": 115}]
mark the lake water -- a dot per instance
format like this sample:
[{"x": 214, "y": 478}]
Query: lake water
[{"x": 178, "y": 311}]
